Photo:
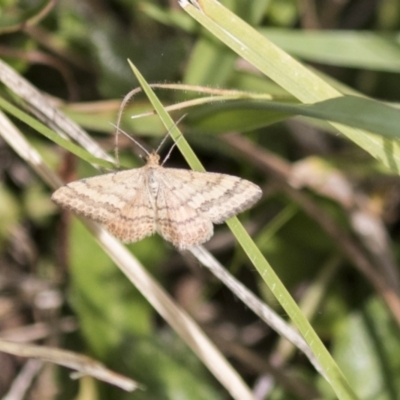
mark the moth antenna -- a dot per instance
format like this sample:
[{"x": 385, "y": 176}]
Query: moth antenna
[
  {"x": 118, "y": 129},
  {"x": 162, "y": 142},
  {"x": 170, "y": 150},
  {"x": 121, "y": 109},
  {"x": 169, "y": 131}
]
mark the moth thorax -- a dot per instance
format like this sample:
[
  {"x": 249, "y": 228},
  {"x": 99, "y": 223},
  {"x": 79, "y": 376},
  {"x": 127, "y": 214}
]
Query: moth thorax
[{"x": 153, "y": 184}]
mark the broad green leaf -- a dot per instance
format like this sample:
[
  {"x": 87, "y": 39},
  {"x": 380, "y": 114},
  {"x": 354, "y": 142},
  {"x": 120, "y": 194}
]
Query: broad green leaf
[
  {"x": 366, "y": 50},
  {"x": 358, "y": 112},
  {"x": 367, "y": 348}
]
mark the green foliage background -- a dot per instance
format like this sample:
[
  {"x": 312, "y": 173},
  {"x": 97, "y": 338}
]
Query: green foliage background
[{"x": 77, "y": 53}]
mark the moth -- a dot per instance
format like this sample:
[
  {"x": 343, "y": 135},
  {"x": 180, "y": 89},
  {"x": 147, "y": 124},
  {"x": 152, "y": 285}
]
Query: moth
[{"x": 181, "y": 205}]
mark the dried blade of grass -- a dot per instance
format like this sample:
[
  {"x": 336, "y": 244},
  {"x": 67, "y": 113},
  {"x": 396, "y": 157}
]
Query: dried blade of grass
[
  {"x": 23, "y": 381},
  {"x": 43, "y": 108},
  {"x": 82, "y": 364},
  {"x": 255, "y": 304}
]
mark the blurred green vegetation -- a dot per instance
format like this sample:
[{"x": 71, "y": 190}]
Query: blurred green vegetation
[{"x": 77, "y": 52}]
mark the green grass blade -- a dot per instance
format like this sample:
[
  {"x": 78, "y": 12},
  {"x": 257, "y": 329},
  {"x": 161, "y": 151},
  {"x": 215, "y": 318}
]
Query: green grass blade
[
  {"x": 169, "y": 123},
  {"x": 331, "y": 371},
  {"x": 297, "y": 80}
]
